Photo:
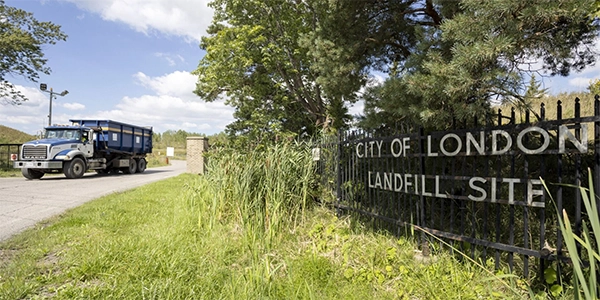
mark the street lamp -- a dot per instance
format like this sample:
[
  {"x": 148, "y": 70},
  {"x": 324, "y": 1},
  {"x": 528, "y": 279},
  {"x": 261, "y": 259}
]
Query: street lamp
[{"x": 53, "y": 94}]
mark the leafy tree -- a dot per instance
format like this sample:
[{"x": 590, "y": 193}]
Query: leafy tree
[
  {"x": 266, "y": 60},
  {"x": 172, "y": 138},
  {"x": 293, "y": 66},
  {"x": 21, "y": 41},
  {"x": 533, "y": 95},
  {"x": 400, "y": 40},
  {"x": 594, "y": 87},
  {"x": 484, "y": 50}
]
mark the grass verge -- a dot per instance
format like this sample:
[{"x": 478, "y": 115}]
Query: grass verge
[
  {"x": 150, "y": 243},
  {"x": 10, "y": 173}
]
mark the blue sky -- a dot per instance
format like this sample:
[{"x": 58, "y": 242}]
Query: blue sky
[
  {"x": 126, "y": 60},
  {"x": 129, "y": 61}
]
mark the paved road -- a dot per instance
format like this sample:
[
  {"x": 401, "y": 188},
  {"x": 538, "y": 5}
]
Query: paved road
[{"x": 23, "y": 203}]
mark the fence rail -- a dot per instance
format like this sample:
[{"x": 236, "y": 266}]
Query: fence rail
[
  {"x": 5, "y": 151},
  {"x": 477, "y": 184}
]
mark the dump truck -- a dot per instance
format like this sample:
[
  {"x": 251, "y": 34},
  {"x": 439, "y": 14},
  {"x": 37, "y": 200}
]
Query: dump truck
[{"x": 104, "y": 146}]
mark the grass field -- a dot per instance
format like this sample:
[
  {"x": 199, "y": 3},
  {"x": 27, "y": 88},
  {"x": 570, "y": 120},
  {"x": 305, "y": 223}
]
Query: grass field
[
  {"x": 152, "y": 243},
  {"x": 13, "y": 136}
]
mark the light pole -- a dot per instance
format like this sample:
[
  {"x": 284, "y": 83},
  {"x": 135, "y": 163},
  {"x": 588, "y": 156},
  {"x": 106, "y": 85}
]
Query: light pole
[{"x": 53, "y": 94}]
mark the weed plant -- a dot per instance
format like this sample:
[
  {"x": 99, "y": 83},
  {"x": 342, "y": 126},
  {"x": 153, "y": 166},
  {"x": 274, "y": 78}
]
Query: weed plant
[
  {"x": 260, "y": 190},
  {"x": 583, "y": 250}
]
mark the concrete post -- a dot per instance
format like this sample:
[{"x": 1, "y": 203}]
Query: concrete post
[{"x": 196, "y": 146}]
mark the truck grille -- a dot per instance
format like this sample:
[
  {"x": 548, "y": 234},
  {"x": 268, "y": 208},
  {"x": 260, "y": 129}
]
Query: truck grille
[{"x": 35, "y": 152}]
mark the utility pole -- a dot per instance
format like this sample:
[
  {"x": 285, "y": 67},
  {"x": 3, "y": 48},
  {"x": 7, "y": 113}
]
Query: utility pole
[{"x": 43, "y": 88}]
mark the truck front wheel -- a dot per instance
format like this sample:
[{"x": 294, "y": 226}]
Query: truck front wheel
[
  {"x": 32, "y": 174},
  {"x": 74, "y": 168}
]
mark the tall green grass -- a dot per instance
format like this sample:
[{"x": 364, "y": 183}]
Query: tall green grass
[
  {"x": 260, "y": 190},
  {"x": 585, "y": 262}
]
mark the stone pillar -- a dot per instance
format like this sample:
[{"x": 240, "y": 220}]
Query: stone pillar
[{"x": 196, "y": 146}]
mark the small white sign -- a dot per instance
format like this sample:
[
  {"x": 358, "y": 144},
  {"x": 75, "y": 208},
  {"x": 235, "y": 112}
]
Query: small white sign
[
  {"x": 170, "y": 151},
  {"x": 316, "y": 154}
]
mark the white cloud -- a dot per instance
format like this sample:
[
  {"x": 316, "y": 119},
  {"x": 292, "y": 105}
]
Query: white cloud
[
  {"x": 178, "y": 83},
  {"x": 30, "y": 116},
  {"x": 169, "y": 104},
  {"x": 171, "y": 59},
  {"x": 73, "y": 106},
  {"x": 582, "y": 80},
  {"x": 172, "y": 105},
  {"x": 167, "y": 112},
  {"x": 185, "y": 18}
]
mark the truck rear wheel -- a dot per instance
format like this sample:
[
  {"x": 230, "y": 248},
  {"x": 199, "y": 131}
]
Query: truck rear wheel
[
  {"x": 74, "y": 168},
  {"x": 141, "y": 165},
  {"x": 32, "y": 174},
  {"x": 132, "y": 167}
]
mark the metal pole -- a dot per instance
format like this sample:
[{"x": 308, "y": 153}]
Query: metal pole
[{"x": 50, "y": 113}]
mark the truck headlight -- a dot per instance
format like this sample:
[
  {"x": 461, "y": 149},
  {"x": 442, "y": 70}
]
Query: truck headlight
[{"x": 63, "y": 157}]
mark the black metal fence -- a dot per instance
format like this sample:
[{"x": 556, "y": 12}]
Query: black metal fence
[
  {"x": 477, "y": 185},
  {"x": 5, "y": 152}
]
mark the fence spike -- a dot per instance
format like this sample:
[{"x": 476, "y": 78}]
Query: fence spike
[
  {"x": 512, "y": 115},
  {"x": 559, "y": 110},
  {"x": 499, "y": 117}
]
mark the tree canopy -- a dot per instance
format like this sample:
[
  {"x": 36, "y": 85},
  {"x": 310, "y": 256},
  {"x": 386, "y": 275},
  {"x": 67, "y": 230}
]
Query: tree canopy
[
  {"x": 485, "y": 50},
  {"x": 268, "y": 60},
  {"x": 294, "y": 66},
  {"x": 21, "y": 41}
]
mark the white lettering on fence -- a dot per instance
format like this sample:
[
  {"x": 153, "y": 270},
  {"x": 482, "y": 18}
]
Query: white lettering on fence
[
  {"x": 474, "y": 143},
  {"x": 480, "y": 188},
  {"x": 451, "y": 144}
]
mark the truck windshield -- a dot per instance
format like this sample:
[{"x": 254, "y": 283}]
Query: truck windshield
[{"x": 64, "y": 134}]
